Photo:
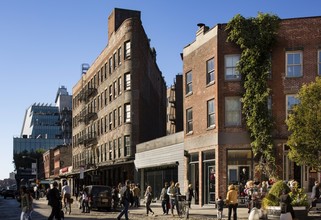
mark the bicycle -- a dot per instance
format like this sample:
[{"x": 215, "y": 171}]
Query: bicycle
[{"x": 183, "y": 206}]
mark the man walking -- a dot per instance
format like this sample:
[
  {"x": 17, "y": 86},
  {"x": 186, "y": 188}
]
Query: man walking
[
  {"x": 125, "y": 199},
  {"x": 55, "y": 202}
]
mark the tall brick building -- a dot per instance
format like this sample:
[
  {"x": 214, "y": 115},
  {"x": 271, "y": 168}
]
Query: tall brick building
[
  {"x": 119, "y": 101},
  {"x": 216, "y": 137}
]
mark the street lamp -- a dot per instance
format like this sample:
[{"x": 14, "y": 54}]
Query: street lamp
[{"x": 35, "y": 159}]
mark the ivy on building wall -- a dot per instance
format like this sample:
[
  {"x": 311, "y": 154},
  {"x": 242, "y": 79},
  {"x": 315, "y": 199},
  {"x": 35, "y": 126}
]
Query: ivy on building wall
[{"x": 255, "y": 37}]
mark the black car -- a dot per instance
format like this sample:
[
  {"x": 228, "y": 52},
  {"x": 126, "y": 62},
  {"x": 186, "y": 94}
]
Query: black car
[
  {"x": 9, "y": 193},
  {"x": 99, "y": 196}
]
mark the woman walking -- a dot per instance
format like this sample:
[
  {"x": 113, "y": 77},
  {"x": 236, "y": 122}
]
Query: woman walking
[{"x": 148, "y": 199}]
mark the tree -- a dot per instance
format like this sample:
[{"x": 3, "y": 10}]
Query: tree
[
  {"x": 256, "y": 37},
  {"x": 305, "y": 124}
]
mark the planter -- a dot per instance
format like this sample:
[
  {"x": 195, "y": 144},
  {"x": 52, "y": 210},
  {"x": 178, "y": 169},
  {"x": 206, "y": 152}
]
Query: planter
[
  {"x": 274, "y": 212},
  {"x": 300, "y": 212}
]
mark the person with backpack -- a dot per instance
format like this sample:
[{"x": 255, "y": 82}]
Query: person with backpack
[
  {"x": 125, "y": 199},
  {"x": 54, "y": 200}
]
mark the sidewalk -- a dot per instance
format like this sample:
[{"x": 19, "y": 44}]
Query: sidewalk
[{"x": 196, "y": 212}]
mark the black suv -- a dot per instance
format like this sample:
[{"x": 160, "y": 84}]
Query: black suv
[
  {"x": 99, "y": 196},
  {"x": 9, "y": 193}
]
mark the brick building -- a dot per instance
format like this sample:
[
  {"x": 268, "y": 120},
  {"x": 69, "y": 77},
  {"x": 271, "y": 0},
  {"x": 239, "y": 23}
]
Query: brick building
[
  {"x": 119, "y": 102},
  {"x": 215, "y": 136}
]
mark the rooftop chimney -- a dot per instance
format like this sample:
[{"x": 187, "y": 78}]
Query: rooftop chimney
[{"x": 202, "y": 29}]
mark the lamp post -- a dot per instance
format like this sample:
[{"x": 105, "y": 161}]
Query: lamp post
[{"x": 35, "y": 159}]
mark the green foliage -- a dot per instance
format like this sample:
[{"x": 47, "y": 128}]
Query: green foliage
[
  {"x": 256, "y": 36},
  {"x": 305, "y": 125},
  {"x": 299, "y": 197},
  {"x": 273, "y": 197}
]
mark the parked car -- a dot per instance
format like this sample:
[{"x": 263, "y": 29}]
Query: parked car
[
  {"x": 100, "y": 196},
  {"x": 9, "y": 193}
]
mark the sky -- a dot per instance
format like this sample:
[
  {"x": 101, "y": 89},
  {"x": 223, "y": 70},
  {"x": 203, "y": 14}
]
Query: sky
[{"x": 43, "y": 44}]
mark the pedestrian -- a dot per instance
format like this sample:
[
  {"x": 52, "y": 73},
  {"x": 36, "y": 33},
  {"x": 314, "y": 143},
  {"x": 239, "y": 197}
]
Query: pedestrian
[
  {"x": 148, "y": 200},
  {"x": 286, "y": 207},
  {"x": 232, "y": 202},
  {"x": 220, "y": 206},
  {"x": 165, "y": 199},
  {"x": 85, "y": 201},
  {"x": 125, "y": 200},
  {"x": 26, "y": 203},
  {"x": 172, "y": 191},
  {"x": 66, "y": 197},
  {"x": 190, "y": 194},
  {"x": 315, "y": 195},
  {"x": 136, "y": 192},
  {"x": 54, "y": 199}
]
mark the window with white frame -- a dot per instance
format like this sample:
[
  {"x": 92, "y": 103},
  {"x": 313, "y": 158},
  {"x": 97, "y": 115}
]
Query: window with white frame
[
  {"x": 115, "y": 60},
  {"x": 319, "y": 62},
  {"x": 210, "y": 113},
  {"x": 127, "y": 50},
  {"x": 110, "y": 65},
  {"x": 291, "y": 100},
  {"x": 115, "y": 89},
  {"x": 119, "y": 115},
  {"x": 110, "y": 150},
  {"x": 119, "y": 85},
  {"x": 231, "y": 72},
  {"x": 119, "y": 56},
  {"x": 189, "y": 120},
  {"x": 127, "y": 81},
  {"x": 110, "y": 93},
  {"x": 119, "y": 147},
  {"x": 126, "y": 145},
  {"x": 188, "y": 80},
  {"x": 294, "y": 64},
  {"x": 110, "y": 121},
  {"x": 114, "y": 117},
  {"x": 210, "y": 71},
  {"x": 233, "y": 112},
  {"x": 115, "y": 148},
  {"x": 127, "y": 112}
]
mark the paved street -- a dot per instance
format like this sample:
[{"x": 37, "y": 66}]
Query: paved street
[{"x": 10, "y": 210}]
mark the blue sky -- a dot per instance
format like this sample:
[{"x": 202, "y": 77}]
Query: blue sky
[{"x": 43, "y": 44}]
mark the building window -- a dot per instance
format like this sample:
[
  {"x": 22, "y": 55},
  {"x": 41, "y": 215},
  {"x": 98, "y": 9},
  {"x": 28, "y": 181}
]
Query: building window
[
  {"x": 105, "y": 72},
  {"x": 189, "y": 88},
  {"x": 293, "y": 64},
  {"x": 115, "y": 60},
  {"x": 127, "y": 145},
  {"x": 119, "y": 85},
  {"x": 210, "y": 113},
  {"x": 291, "y": 100},
  {"x": 189, "y": 120},
  {"x": 319, "y": 62},
  {"x": 114, "y": 117},
  {"x": 127, "y": 81},
  {"x": 110, "y": 121},
  {"x": 119, "y": 116},
  {"x": 231, "y": 72},
  {"x": 233, "y": 113},
  {"x": 119, "y": 147},
  {"x": 110, "y": 150},
  {"x": 110, "y": 65},
  {"x": 106, "y": 97},
  {"x": 210, "y": 71},
  {"x": 106, "y": 124},
  {"x": 115, "y": 148},
  {"x": 119, "y": 56},
  {"x": 127, "y": 112},
  {"x": 115, "y": 89},
  {"x": 127, "y": 50},
  {"x": 110, "y": 93}
]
